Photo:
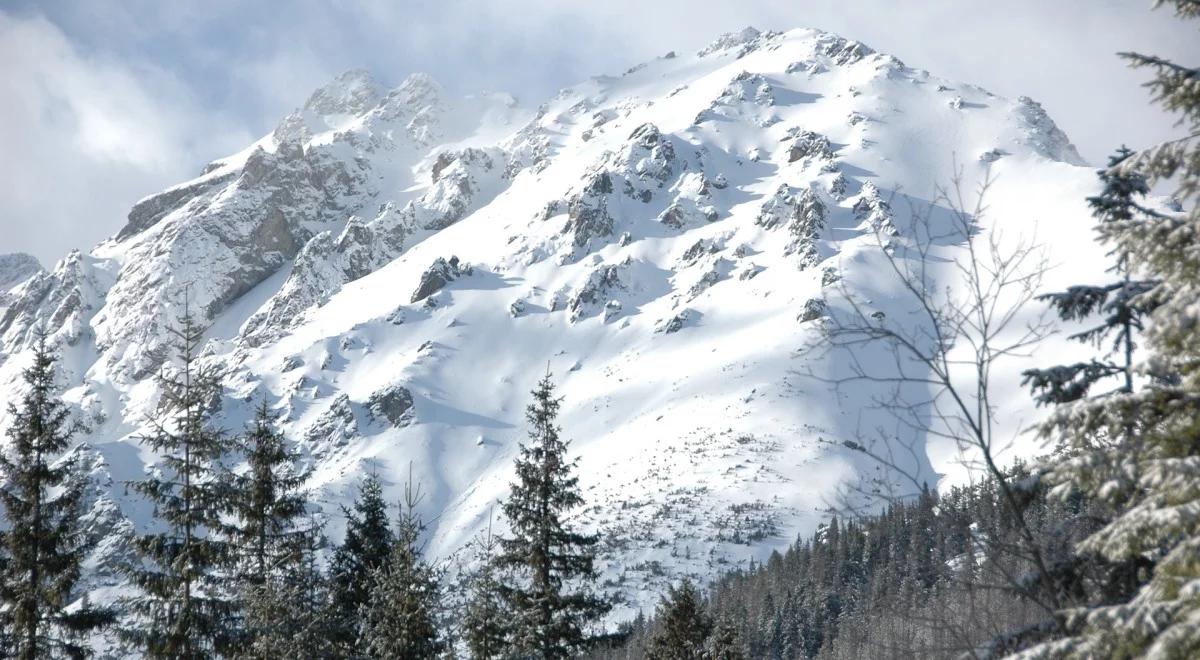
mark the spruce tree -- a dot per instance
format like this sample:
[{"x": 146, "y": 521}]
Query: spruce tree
[
  {"x": 42, "y": 501},
  {"x": 550, "y": 598},
  {"x": 1151, "y": 477},
  {"x": 1122, "y": 303},
  {"x": 289, "y": 613},
  {"x": 400, "y": 617},
  {"x": 684, "y": 625},
  {"x": 267, "y": 502},
  {"x": 485, "y": 620},
  {"x": 366, "y": 547},
  {"x": 184, "y": 609}
]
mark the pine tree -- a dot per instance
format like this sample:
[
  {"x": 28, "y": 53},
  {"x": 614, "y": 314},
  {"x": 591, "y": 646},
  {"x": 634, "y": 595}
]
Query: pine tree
[
  {"x": 289, "y": 613},
  {"x": 1121, "y": 302},
  {"x": 267, "y": 502},
  {"x": 685, "y": 627},
  {"x": 367, "y": 546},
  {"x": 400, "y": 618},
  {"x": 184, "y": 610},
  {"x": 723, "y": 644},
  {"x": 485, "y": 619},
  {"x": 546, "y": 556},
  {"x": 42, "y": 500},
  {"x": 1139, "y": 452}
]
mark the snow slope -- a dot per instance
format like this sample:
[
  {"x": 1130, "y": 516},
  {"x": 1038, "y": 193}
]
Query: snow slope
[{"x": 393, "y": 270}]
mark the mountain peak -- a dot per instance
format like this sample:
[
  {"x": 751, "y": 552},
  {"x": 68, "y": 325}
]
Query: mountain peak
[
  {"x": 352, "y": 92},
  {"x": 731, "y": 40}
]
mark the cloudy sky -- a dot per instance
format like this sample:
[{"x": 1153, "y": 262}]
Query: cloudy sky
[{"x": 102, "y": 103}]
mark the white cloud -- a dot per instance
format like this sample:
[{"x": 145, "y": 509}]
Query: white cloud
[{"x": 84, "y": 136}]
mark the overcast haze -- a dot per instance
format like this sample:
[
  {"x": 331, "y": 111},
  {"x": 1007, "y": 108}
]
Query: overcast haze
[{"x": 104, "y": 103}]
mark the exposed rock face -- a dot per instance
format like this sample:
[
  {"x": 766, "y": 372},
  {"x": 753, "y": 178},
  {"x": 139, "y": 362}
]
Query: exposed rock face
[
  {"x": 679, "y": 321},
  {"x": 598, "y": 288},
  {"x": 393, "y": 404},
  {"x": 352, "y": 93},
  {"x": 335, "y": 427},
  {"x": 323, "y": 266},
  {"x": 807, "y": 144},
  {"x": 150, "y": 210},
  {"x": 871, "y": 209},
  {"x": 814, "y": 308},
  {"x": 440, "y": 273},
  {"x": 804, "y": 214},
  {"x": 462, "y": 181},
  {"x": 740, "y": 39},
  {"x": 1043, "y": 134},
  {"x": 16, "y": 268},
  {"x": 587, "y": 211},
  {"x": 59, "y": 302}
]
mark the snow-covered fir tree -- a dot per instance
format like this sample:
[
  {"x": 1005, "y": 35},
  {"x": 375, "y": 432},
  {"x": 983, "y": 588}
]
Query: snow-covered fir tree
[
  {"x": 485, "y": 621},
  {"x": 550, "y": 595},
  {"x": 1121, "y": 304},
  {"x": 400, "y": 619},
  {"x": 266, "y": 501},
  {"x": 289, "y": 614},
  {"x": 685, "y": 625},
  {"x": 366, "y": 547},
  {"x": 185, "y": 608},
  {"x": 42, "y": 546},
  {"x": 1140, "y": 452}
]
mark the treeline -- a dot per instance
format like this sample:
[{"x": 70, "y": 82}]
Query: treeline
[
  {"x": 233, "y": 566},
  {"x": 919, "y": 580}
]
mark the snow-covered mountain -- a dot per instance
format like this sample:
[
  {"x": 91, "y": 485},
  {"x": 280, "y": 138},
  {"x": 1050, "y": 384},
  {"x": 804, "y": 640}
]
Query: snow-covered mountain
[{"x": 393, "y": 270}]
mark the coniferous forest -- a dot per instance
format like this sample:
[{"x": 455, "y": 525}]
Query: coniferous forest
[{"x": 1091, "y": 550}]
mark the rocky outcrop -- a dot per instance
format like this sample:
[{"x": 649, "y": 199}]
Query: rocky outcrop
[
  {"x": 814, "y": 308},
  {"x": 393, "y": 405},
  {"x": 596, "y": 291},
  {"x": 587, "y": 211},
  {"x": 873, "y": 211},
  {"x": 334, "y": 427},
  {"x": 809, "y": 145},
  {"x": 440, "y": 273},
  {"x": 323, "y": 266},
  {"x": 16, "y": 268},
  {"x": 61, "y": 302}
]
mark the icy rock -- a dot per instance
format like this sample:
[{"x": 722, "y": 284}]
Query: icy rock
[
  {"x": 808, "y": 144},
  {"x": 992, "y": 155},
  {"x": 612, "y": 309},
  {"x": 871, "y": 209},
  {"x": 730, "y": 40},
  {"x": 814, "y": 308},
  {"x": 841, "y": 51},
  {"x": 393, "y": 404},
  {"x": 1043, "y": 134},
  {"x": 352, "y": 92},
  {"x": 600, "y": 282},
  {"x": 437, "y": 276},
  {"x": 587, "y": 211},
  {"x": 336, "y": 425},
  {"x": 676, "y": 322},
  {"x": 16, "y": 268}
]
